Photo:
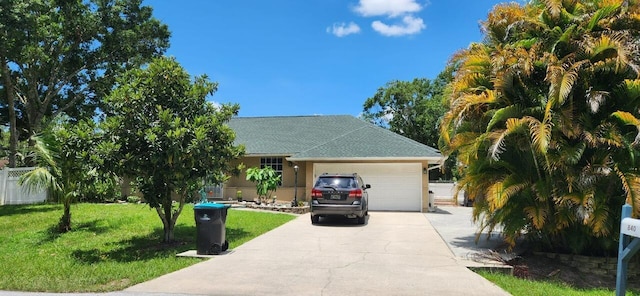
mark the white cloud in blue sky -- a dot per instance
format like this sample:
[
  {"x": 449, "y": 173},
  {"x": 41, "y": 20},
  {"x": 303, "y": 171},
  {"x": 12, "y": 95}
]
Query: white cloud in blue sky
[
  {"x": 390, "y": 8},
  {"x": 400, "y": 19},
  {"x": 343, "y": 29},
  {"x": 409, "y": 26}
]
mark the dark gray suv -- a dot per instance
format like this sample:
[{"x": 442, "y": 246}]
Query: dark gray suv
[{"x": 339, "y": 195}]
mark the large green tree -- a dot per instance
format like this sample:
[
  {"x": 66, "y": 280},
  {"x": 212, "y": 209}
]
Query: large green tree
[
  {"x": 413, "y": 109},
  {"x": 544, "y": 116},
  {"x": 410, "y": 108},
  {"x": 167, "y": 138},
  {"x": 62, "y": 56}
]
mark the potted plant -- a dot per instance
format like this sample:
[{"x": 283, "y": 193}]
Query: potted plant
[{"x": 239, "y": 195}]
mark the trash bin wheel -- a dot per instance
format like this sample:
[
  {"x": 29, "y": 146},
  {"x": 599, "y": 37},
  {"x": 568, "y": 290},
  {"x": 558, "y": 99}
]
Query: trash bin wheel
[
  {"x": 215, "y": 249},
  {"x": 225, "y": 246}
]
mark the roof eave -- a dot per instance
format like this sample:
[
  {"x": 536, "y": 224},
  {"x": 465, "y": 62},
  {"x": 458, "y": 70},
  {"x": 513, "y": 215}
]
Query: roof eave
[{"x": 430, "y": 159}]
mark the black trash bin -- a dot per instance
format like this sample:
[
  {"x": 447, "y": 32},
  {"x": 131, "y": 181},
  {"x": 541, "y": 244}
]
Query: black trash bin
[{"x": 211, "y": 228}]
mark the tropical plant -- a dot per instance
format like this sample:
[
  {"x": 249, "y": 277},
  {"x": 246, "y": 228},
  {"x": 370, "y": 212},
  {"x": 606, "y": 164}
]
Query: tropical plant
[
  {"x": 266, "y": 180},
  {"x": 165, "y": 135},
  {"x": 65, "y": 157},
  {"x": 544, "y": 117}
]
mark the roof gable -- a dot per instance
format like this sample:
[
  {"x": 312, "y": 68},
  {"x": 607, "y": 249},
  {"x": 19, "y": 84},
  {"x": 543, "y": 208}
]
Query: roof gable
[{"x": 324, "y": 137}]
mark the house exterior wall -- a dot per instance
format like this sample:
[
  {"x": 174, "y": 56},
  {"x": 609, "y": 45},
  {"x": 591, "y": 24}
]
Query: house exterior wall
[
  {"x": 305, "y": 180},
  {"x": 286, "y": 192}
]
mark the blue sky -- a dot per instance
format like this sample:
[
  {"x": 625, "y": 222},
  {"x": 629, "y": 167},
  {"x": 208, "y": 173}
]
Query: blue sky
[{"x": 305, "y": 57}]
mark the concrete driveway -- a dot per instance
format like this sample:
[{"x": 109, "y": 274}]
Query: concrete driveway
[
  {"x": 456, "y": 227},
  {"x": 393, "y": 254}
]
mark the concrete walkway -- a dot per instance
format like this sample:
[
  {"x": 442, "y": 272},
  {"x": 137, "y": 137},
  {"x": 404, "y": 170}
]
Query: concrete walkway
[
  {"x": 456, "y": 227},
  {"x": 393, "y": 254}
]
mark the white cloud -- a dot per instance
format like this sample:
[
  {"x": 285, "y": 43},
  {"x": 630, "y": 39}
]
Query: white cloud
[
  {"x": 343, "y": 29},
  {"x": 410, "y": 25},
  {"x": 390, "y": 8}
]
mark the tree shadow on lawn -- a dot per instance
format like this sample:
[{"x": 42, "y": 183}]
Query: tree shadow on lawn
[
  {"x": 10, "y": 210},
  {"x": 52, "y": 233},
  {"x": 149, "y": 247}
]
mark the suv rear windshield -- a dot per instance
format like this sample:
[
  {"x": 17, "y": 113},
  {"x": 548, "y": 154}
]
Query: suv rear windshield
[{"x": 336, "y": 182}]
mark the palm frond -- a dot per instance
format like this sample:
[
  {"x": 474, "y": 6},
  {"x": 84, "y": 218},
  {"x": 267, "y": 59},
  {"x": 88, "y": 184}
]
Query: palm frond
[
  {"x": 38, "y": 180},
  {"x": 513, "y": 125},
  {"x": 602, "y": 13},
  {"x": 629, "y": 90},
  {"x": 501, "y": 115},
  {"x": 628, "y": 119},
  {"x": 631, "y": 187},
  {"x": 564, "y": 38},
  {"x": 553, "y": 8},
  {"x": 537, "y": 214},
  {"x": 540, "y": 133},
  {"x": 598, "y": 220}
]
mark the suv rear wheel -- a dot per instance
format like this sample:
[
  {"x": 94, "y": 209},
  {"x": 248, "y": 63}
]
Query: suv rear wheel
[
  {"x": 315, "y": 219},
  {"x": 362, "y": 219}
]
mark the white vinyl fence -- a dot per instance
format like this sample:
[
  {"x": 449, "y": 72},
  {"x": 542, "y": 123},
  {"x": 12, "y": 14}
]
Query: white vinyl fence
[
  {"x": 13, "y": 194},
  {"x": 445, "y": 191}
]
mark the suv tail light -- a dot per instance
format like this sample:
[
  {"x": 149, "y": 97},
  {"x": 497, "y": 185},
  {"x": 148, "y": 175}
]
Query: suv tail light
[
  {"x": 357, "y": 193},
  {"x": 315, "y": 193}
]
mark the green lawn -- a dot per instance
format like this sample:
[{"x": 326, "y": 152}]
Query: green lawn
[
  {"x": 517, "y": 287},
  {"x": 112, "y": 246}
]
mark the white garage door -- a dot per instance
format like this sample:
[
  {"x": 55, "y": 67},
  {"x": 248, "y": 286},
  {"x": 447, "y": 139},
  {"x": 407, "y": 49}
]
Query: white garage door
[{"x": 394, "y": 187}]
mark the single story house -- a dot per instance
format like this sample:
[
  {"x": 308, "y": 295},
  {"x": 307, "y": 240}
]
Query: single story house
[{"x": 396, "y": 167}]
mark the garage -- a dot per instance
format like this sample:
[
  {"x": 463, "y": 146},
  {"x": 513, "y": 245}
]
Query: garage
[{"x": 394, "y": 186}]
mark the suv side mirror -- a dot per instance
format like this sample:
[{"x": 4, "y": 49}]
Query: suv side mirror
[{"x": 367, "y": 186}]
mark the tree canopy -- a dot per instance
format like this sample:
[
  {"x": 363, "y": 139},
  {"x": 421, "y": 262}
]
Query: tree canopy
[
  {"x": 63, "y": 56},
  {"x": 167, "y": 137},
  {"x": 544, "y": 116},
  {"x": 410, "y": 108},
  {"x": 413, "y": 109}
]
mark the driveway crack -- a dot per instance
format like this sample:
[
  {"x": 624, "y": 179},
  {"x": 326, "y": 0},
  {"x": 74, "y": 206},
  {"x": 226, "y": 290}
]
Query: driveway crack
[{"x": 332, "y": 269}]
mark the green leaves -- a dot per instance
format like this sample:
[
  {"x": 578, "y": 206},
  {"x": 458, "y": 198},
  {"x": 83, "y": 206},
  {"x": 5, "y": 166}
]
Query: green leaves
[
  {"x": 410, "y": 108},
  {"x": 266, "y": 180},
  {"x": 167, "y": 136},
  {"x": 551, "y": 92},
  {"x": 62, "y": 56}
]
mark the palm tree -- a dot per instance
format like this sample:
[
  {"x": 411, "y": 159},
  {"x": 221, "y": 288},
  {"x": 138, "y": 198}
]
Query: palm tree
[
  {"x": 543, "y": 115},
  {"x": 63, "y": 154}
]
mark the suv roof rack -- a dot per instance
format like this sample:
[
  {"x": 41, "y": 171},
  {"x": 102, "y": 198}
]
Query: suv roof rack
[{"x": 338, "y": 174}]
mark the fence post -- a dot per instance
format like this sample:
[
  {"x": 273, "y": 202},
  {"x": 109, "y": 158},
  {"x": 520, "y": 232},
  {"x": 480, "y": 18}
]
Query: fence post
[
  {"x": 3, "y": 184},
  {"x": 628, "y": 246}
]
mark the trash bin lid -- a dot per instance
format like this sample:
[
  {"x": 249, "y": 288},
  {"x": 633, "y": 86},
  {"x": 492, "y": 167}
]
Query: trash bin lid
[{"x": 209, "y": 205}]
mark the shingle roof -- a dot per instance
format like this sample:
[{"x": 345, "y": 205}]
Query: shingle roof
[{"x": 324, "y": 137}]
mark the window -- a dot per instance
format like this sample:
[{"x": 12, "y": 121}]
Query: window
[{"x": 273, "y": 162}]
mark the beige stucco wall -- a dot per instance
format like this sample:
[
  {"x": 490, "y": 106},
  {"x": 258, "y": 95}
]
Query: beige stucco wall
[{"x": 285, "y": 192}]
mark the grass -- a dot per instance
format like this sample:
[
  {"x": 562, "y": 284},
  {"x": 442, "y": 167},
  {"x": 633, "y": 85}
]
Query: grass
[
  {"x": 517, "y": 286},
  {"x": 111, "y": 247}
]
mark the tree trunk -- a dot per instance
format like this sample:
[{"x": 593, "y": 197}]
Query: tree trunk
[
  {"x": 169, "y": 225},
  {"x": 65, "y": 221},
  {"x": 13, "y": 131},
  {"x": 168, "y": 231}
]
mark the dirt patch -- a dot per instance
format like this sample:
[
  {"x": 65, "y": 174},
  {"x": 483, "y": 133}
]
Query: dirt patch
[{"x": 541, "y": 268}]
